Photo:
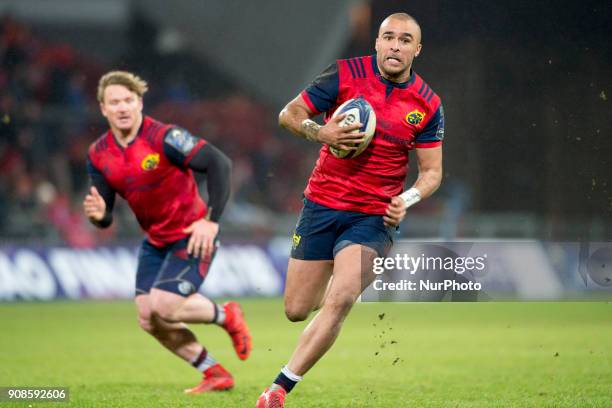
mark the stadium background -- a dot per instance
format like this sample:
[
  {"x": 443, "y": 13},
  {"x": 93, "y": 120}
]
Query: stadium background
[{"x": 526, "y": 88}]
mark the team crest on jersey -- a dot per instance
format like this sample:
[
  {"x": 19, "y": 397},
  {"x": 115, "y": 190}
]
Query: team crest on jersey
[
  {"x": 150, "y": 162},
  {"x": 415, "y": 117}
]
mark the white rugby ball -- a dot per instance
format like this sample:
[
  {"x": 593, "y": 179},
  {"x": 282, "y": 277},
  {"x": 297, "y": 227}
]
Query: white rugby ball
[{"x": 357, "y": 110}]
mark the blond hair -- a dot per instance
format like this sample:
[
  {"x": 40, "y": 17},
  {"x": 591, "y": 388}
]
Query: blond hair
[{"x": 131, "y": 81}]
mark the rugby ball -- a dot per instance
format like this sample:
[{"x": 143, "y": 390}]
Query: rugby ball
[{"x": 357, "y": 110}]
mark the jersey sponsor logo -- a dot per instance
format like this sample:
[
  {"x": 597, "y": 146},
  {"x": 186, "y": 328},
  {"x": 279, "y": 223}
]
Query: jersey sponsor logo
[
  {"x": 440, "y": 132},
  {"x": 415, "y": 117},
  {"x": 398, "y": 140},
  {"x": 181, "y": 140},
  {"x": 150, "y": 162},
  {"x": 296, "y": 240}
]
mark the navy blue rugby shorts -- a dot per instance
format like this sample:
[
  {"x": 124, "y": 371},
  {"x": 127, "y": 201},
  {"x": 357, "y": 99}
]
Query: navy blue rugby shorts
[
  {"x": 321, "y": 232},
  {"x": 170, "y": 268}
]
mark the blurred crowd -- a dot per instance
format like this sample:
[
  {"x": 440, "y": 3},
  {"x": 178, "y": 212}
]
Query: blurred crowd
[{"x": 49, "y": 116}]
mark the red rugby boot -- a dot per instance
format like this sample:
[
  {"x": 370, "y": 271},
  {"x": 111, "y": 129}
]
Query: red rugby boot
[
  {"x": 236, "y": 327},
  {"x": 216, "y": 378},
  {"x": 272, "y": 398}
]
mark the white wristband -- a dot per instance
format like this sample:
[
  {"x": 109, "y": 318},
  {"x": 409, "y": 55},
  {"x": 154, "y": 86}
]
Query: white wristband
[{"x": 411, "y": 196}]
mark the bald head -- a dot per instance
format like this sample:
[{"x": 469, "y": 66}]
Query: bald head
[{"x": 405, "y": 17}]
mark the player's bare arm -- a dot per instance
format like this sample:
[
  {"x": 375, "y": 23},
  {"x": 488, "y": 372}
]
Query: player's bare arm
[
  {"x": 430, "y": 176},
  {"x": 297, "y": 118},
  {"x": 429, "y": 163}
]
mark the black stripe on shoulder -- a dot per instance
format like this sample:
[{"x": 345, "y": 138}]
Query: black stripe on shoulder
[
  {"x": 152, "y": 131},
  {"x": 430, "y": 96},
  {"x": 423, "y": 84},
  {"x": 348, "y": 62},
  {"x": 361, "y": 73},
  {"x": 355, "y": 64},
  {"x": 361, "y": 64},
  {"x": 101, "y": 144}
]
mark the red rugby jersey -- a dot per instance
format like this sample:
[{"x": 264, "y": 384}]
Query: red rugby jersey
[
  {"x": 408, "y": 115},
  {"x": 163, "y": 196}
]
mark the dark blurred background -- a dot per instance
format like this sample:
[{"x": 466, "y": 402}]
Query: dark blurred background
[{"x": 525, "y": 86}]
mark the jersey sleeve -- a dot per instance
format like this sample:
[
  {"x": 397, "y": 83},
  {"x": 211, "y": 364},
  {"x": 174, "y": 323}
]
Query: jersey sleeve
[
  {"x": 180, "y": 146},
  {"x": 321, "y": 94},
  {"x": 218, "y": 169},
  {"x": 433, "y": 133},
  {"x": 106, "y": 191}
]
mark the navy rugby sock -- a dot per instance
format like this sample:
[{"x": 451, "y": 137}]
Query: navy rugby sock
[{"x": 286, "y": 379}]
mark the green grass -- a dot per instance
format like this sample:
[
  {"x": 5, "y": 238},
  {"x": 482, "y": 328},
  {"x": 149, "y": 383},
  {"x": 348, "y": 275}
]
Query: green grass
[{"x": 446, "y": 355}]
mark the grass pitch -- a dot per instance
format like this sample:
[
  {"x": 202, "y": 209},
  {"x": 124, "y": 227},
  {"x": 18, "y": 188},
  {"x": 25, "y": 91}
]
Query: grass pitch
[{"x": 388, "y": 355}]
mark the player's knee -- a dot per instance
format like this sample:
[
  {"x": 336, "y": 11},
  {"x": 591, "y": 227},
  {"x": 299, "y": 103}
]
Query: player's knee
[
  {"x": 146, "y": 324},
  {"x": 340, "y": 305},
  {"x": 296, "y": 313},
  {"x": 145, "y": 318},
  {"x": 151, "y": 325},
  {"x": 165, "y": 308}
]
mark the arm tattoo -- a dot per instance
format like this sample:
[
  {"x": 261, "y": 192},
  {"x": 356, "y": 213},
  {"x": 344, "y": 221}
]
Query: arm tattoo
[{"x": 310, "y": 129}]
